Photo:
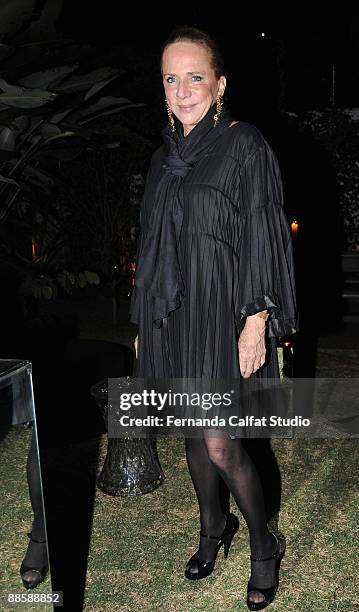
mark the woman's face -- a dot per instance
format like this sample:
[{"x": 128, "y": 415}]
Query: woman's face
[{"x": 189, "y": 82}]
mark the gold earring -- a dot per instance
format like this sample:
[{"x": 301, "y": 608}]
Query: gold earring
[
  {"x": 170, "y": 116},
  {"x": 218, "y": 109}
]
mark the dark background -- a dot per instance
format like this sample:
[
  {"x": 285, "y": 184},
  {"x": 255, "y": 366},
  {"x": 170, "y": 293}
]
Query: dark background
[{"x": 302, "y": 41}]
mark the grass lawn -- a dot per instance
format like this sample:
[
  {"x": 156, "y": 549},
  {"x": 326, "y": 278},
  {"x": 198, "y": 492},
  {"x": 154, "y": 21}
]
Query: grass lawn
[{"x": 140, "y": 545}]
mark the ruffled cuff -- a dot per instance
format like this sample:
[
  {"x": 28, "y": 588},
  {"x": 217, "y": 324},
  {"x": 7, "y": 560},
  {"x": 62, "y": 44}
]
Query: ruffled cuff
[
  {"x": 277, "y": 324},
  {"x": 160, "y": 307},
  {"x": 282, "y": 327},
  {"x": 264, "y": 302}
]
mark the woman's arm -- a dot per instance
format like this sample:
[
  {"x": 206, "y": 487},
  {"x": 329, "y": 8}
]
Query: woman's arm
[
  {"x": 251, "y": 344},
  {"x": 135, "y": 344},
  {"x": 264, "y": 277}
]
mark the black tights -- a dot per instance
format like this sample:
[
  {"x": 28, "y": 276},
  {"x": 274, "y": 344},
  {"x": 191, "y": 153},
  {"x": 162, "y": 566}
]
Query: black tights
[
  {"x": 217, "y": 462},
  {"x": 34, "y": 485},
  {"x": 35, "y": 553}
]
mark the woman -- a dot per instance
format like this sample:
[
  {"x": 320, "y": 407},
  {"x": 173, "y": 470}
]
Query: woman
[
  {"x": 214, "y": 268},
  {"x": 35, "y": 564}
]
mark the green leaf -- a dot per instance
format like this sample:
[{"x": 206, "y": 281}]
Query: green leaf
[
  {"x": 41, "y": 179},
  {"x": 20, "y": 97},
  {"x": 37, "y": 290},
  {"x": 103, "y": 104},
  {"x": 4, "y": 179},
  {"x": 98, "y": 86},
  {"x": 20, "y": 124},
  {"x": 82, "y": 280},
  {"x": 62, "y": 279},
  {"x": 49, "y": 130},
  {"x": 47, "y": 78},
  {"x": 47, "y": 292},
  {"x": 7, "y": 139},
  {"x": 111, "y": 111},
  {"x": 82, "y": 82},
  {"x": 65, "y": 146},
  {"x": 91, "y": 277}
]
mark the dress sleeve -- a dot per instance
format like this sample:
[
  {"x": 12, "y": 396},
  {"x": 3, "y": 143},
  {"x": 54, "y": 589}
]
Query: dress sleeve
[{"x": 265, "y": 253}]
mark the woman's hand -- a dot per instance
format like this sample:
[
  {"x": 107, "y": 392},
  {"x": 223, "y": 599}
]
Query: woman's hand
[
  {"x": 135, "y": 344},
  {"x": 251, "y": 346}
]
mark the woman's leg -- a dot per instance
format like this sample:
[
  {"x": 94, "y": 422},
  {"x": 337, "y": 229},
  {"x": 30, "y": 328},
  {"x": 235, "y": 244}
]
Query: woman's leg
[
  {"x": 235, "y": 466},
  {"x": 36, "y": 554},
  {"x": 34, "y": 484},
  {"x": 212, "y": 495}
]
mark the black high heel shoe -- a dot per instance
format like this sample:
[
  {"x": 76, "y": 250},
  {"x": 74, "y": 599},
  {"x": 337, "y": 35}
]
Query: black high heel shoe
[
  {"x": 196, "y": 568},
  {"x": 38, "y": 573},
  {"x": 270, "y": 592}
]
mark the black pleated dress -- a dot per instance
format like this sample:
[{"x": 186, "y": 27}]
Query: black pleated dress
[{"x": 235, "y": 254}]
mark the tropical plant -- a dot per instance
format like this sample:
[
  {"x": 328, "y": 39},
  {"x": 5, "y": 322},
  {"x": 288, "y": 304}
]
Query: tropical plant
[{"x": 48, "y": 118}]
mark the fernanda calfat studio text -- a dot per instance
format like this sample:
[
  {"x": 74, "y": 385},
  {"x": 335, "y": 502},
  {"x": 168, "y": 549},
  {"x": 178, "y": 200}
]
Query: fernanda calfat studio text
[{"x": 233, "y": 420}]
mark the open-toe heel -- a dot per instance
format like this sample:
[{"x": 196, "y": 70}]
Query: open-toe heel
[
  {"x": 37, "y": 571},
  {"x": 270, "y": 592},
  {"x": 196, "y": 568}
]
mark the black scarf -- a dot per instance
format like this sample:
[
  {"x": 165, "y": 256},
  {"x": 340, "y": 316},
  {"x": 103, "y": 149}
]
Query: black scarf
[{"x": 157, "y": 268}]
